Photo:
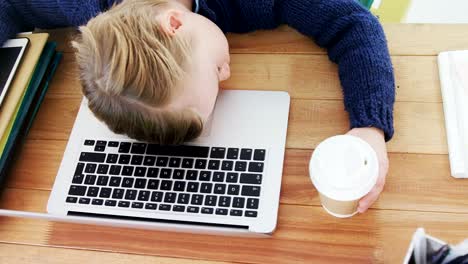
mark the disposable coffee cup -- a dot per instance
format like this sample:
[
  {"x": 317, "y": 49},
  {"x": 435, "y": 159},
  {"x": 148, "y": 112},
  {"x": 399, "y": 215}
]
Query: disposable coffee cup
[{"x": 343, "y": 169}]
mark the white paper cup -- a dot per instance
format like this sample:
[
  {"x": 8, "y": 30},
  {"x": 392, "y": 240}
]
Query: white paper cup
[{"x": 343, "y": 169}]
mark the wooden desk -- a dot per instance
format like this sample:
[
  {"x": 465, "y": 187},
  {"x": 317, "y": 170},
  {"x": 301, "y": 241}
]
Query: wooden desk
[{"x": 419, "y": 189}]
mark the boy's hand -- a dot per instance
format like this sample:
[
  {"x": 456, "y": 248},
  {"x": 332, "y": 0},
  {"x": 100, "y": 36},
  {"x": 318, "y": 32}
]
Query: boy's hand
[{"x": 375, "y": 138}]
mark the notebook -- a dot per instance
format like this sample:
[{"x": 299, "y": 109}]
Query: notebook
[{"x": 453, "y": 70}]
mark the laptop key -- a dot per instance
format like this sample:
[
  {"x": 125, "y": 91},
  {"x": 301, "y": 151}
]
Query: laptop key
[
  {"x": 164, "y": 207},
  {"x": 192, "y": 175},
  {"x": 220, "y": 188},
  {"x": 140, "y": 183},
  {"x": 178, "y": 208},
  {"x": 143, "y": 196},
  {"x": 152, "y": 173},
  {"x": 162, "y": 161},
  {"x": 124, "y": 159},
  {"x": 180, "y": 150},
  {"x": 137, "y": 205},
  {"x": 224, "y": 201},
  {"x": 251, "y": 213},
  {"x": 175, "y": 162},
  {"x": 211, "y": 200},
  {"x": 214, "y": 164},
  {"x": 251, "y": 178},
  {"x": 187, "y": 163},
  {"x": 89, "y": 142},
  {"x": 232, "y": 177},
  {"x": 235, "y": 212},
  {"x": 205, "y": 176},
  {"x": 113, "y": 144},
  {"x": 233, "y": 153},
  {"x": 246, "y": 154},
  {"x": 84, "y": 200},
  {"x": 124, "y": 147},
  {"x": 206, "y": 188},
  {"x": 98, "y": 148},
  {"x": 105, "y": 192},
  {"x": 256, "y": 167},
  {"x": 115, "y": 181},
  {"x": 97, "y": 202},
  {"x": 200, "y": 164},
  {"x": 136, "y": 160},
  {"x": 238, "y": 202},
  {"x": 115, "y": 170},
  {"x": 183, "y": 198},
  {"x": 149, "y": 160},
  {"x": 103, "y": 169},
  {"x": 217, "y": 153},
  {"x": 227, "y": 165},
  {"x": 118, "y": 193},
  {"x": 259, "y": 154},
  {"x": 233, "y": 189},
  {"x": 221, "y": 211},
  {"x": 127, "y": 182},
  {"x": 218, "y": 176},
  {"x": 92, "y": 157},
  {"x": 156, "y": 196},
  {"x": 130, "y": 194},
  {"x": 101, "y": 143},
  {"x": 178, "y": 174},
  {"x": 93, "y": 192},
  {"x": 241, "y": 166},
  {"x": 112, "y": 158},
  {"x": 90, "y": 179},
  {"x": 78, "y": 179},
  {"x": 197, "y": 199},
  {"x": 170, "y": 197},
  {"x": 79, "y": 168},
  {"x": 151, "y": 206},
  {"x": 140, "y": 171},
  {"x": 138, "y": 148},
  {"x": 71, "y": 199},
  {"x": 102, "y": 180},
  {"x": 110, "y": 203},
  {"x": 252, "y": 203},
  {"x": 153, "y": 184},
  {"x": 124, "y": 204},
  {"x": 166, "y": 185},
  {"x": 192, "y": 187},
  {"x": 207, "y": 210},
  {"x": 90, "y": 168},
  {"x": 127, "y": 171},
  {"x": 165, "y": 173},
  {"x": 193, "y": 209},
  {"x": 179, "y": 186},
  {"x": 248, "y": 190}
]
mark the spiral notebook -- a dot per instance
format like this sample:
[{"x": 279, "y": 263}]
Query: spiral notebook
[{"x": 453, "y": 70}]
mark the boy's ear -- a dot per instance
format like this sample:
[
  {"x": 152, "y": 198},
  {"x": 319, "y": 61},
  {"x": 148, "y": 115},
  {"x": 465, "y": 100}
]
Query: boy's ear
[{"x": 170, "y": 21}]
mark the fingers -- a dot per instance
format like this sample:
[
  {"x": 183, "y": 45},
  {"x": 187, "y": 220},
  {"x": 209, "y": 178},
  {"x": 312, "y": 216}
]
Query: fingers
[{"x": 373, "y": 195}]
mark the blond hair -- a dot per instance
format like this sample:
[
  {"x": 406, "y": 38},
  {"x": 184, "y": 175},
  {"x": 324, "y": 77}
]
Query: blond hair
[{"x": 129, "y": 70}]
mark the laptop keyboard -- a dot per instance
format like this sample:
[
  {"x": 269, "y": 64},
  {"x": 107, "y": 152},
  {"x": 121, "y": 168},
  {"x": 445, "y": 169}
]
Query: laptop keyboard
[{"x": 182, "y": 179}]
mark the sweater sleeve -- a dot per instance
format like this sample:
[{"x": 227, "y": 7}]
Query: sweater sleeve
[
  {"x": 355, "y": 41},
  {"x": 10, "y": 23}
]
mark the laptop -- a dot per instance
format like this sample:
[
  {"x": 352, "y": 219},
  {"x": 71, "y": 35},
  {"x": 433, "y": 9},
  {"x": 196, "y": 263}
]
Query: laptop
[{"x": 225, "y": 182}]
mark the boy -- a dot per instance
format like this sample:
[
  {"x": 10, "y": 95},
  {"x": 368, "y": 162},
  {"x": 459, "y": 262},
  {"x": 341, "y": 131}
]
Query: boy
[{"x": 151, "y": 68}]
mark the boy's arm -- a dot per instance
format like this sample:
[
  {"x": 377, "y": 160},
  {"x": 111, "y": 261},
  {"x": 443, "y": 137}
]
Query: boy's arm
[
  {"x": 20, "y": 15},
  {"x": 355, "y": 41}
]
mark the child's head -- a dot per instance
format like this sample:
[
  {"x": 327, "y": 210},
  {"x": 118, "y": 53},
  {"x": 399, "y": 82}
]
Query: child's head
[{"x": 151, "y": 69}]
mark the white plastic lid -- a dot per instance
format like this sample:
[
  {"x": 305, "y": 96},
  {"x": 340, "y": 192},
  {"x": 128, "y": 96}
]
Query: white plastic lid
[{"x": 344, "y": 168}]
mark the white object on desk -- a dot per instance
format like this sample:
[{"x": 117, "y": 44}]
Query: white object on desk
[{"x": 453, "y": 70}]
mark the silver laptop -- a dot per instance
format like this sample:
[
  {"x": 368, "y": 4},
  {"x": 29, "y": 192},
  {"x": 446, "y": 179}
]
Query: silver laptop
[{"x": 225, "y": 182}]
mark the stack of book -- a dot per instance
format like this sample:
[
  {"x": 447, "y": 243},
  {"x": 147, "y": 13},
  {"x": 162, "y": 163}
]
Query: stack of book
[{"x": 25, "y": 94}]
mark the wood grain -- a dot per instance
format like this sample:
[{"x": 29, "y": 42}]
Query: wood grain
[
  {"x": 32, "y": 254},
  {"x": 303, "y": 76},
  {"x": 403, "y": 39}
]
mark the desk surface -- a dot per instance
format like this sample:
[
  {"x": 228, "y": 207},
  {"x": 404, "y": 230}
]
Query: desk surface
[{"x": 419, "y": 190}]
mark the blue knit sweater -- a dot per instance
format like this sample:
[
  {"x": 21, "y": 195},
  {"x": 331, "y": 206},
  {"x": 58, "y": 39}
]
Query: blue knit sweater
[{"x": 353, "y": 37}]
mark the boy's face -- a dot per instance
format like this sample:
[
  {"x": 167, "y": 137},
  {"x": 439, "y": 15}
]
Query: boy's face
[{"x": 209, "y": 63}]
